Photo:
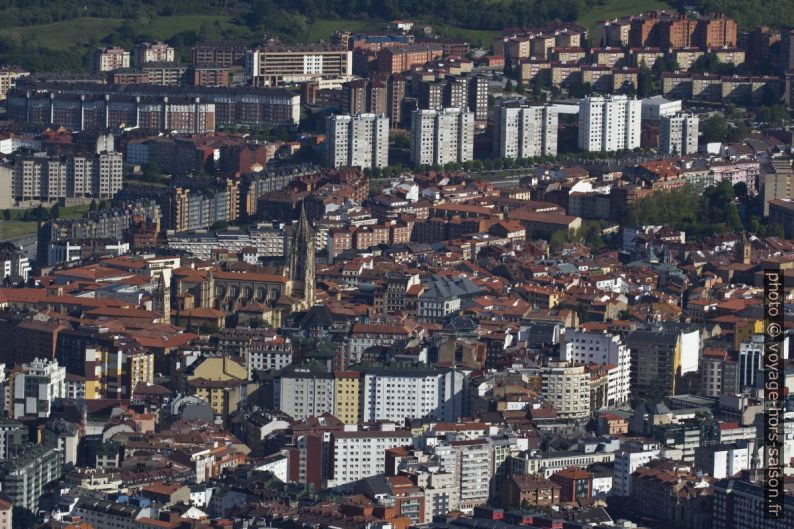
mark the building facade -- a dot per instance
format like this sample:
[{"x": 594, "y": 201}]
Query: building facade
[
  {"x": 360, "y": 140},
  {"x": 439, "y": 137}
]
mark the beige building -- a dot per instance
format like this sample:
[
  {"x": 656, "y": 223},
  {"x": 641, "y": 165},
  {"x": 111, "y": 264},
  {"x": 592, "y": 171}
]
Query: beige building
[
  {"x": 274, "y": 65},
  {"x": 568, "y": 389},
  {"x": 8, "y": 78},
  {"x": 778, "y": 182},
  {"x": 109, "y": 59},
  {"x": 152, "y": 52}
]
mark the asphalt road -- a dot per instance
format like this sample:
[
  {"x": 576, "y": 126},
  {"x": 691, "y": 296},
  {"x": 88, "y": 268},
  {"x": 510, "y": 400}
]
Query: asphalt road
[{"x": 28, "y": 243}]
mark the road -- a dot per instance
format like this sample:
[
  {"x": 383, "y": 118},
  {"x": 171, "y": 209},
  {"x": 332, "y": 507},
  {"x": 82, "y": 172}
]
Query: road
[{"x": 29, "y": 244}]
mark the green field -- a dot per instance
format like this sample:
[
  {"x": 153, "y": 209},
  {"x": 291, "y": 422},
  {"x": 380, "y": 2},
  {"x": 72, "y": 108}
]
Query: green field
[
  {"x": 618, "y": 8},
  {"x": 16, "y": 228},
  {"x": 81, "y": 31},
  {"x": 322, "y": 29},
  {"x": 477, "y": 37}
]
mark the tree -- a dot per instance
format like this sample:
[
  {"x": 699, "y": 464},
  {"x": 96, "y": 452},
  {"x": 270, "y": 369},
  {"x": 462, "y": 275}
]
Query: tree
[
  {"x": 6, "y": 214},
  {"x": 509, "y": 86},
  {"x": 93, "y": 205},
  {"x": 715, "y": 129},
  {"x": 740, "y": 190},
  {"x": 55, "y": 212}
]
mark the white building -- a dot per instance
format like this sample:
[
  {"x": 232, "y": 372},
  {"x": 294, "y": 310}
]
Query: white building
[
  {"x": 627, "y": 461},
  {"x": 679, "y": 134},
  {"x": 361, "y": 140},
  {"x": 14, "y": 263},
  {"x": 568, "y": 389},
  {"x": 609, "y": 123},
  {"x": 37, "y": 386},
  {"x": 399, "y": 394},
  {"x": 277, "y": 464},
  {"x": 583, "y": 347},
  {"x": 357, "y": 454},
  {"x": 439, "y": 137},
  {"x": 724, "y": 461},
  {"x": 302, "y": 392},
  {"x": 473, "y": 473},
  {"x": 656, "y": 107},
  {"x": 270, "y": 354},
  {"x": 524, "y": 131}
]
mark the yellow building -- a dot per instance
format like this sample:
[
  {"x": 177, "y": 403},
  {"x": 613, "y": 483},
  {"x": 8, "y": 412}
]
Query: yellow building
[
  {"x": 745, "y": 330},
  {"x": 346, "y": 396},
  {"x": 139, "y": 370},
  {"x": 222, "y": 382}
]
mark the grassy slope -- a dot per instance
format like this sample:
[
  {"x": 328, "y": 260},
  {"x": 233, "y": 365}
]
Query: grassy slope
[
  {"x": 618, "y": 8},
  {"x": 78, "y": 32},
  {"x": 16, "y": 228}
]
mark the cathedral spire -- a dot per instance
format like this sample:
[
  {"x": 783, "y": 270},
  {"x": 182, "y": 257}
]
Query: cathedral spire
[{"x": 301, "y": 260}]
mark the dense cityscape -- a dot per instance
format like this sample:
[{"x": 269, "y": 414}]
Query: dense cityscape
[{"x": 478, "y": 269}]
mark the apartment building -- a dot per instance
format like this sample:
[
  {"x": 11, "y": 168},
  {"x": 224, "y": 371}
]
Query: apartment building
[
  {"x": 439, "y": 137},
  {"x": 358, "y": 454},
  {"x": 609, "y": 123},
  {"x": 591, "y": 347},
  {"x": 777, "y": 182},
  {"x": 679, "y": 134},
  {"x": 223, "y": 54},
  {"x": 568, "y": 389},
  {"x": 281, "y": 64},
  {"x": 36, "y": 387},
  {"x": 8, "y": 79},
  {"x": 146, "y": 52},
  {"x": 740, "y": 504},
  {"x": 403, "y": 58},
  {"x": 399, "y": 394},
  {"x": 24, "y": 478},
  {"x": 184, "y": 109},
  {"x": 303, "y": 391},
  {"x": 521, "y": 130},
  {"x": 473, "y": 473},
  {"x": 347, "y": 390},
  {"x": 361, "y": 140},
  {"x": 629, "y": 459},
  {"x": 13, "y": 437},
  {"x": 46, "y": 179},
  {"x": 109, "y": 59}
]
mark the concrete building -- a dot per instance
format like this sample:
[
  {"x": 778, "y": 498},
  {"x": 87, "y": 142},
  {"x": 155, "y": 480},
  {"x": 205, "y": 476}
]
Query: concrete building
[
  {"x": 304, "y": 391},
  {"x": 356, "y": 455},
  {"x": 24, "y": 477},
  {"x": 280, "y": 64},
  {"x": 584, "y": 347},
  {"x": 656, "y": 107},
  {"x": 37, "y": 386},
  {"x": 777, "y": 182},
  {"x": 361, "y": 140},
  {"x": 524, "y": 131},
  {"x": 782, "y": 212},
  {"x": 679, "y": 134},
  {"x": 400, "y": 394},
  {"x": 439, "y": 137},
  {"x": 473, "y": 472},
  {"x": 146, "y": 52},
  {"x": 109, "y": 59},
  {"x": 628, "y": 460},
  {"x": 609, "y": 123},
  {"x": 568, "y": 389},
  {"x": 13, "y": 437},
  {"x": 43, "y": 178},
  {"x": 740, "y": 505},
  {"x": 347, "y": 390}
]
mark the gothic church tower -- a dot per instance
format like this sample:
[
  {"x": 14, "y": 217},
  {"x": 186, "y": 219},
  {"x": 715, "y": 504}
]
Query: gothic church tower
[{"x": 301, "y": 261}]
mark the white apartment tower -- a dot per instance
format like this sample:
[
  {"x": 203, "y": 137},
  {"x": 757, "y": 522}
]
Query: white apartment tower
[
  {"x": 524, "y": 131},
  {"x": 678, "y": 134},
  {"x": 37, "y": 386},
  {"x": 361, "y": 140},
  {"x": 583, "y": 347},
  {"x": 439, "y": 137},
  {"x": 609, "y": 123}
]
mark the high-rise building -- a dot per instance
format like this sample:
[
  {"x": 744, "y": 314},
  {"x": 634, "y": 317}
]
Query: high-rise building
[
  {"x": 609, "y": 123},
  {"x": 478, "y": 97},
  {"x": 439, "y": 137},
  {"x": 152, "y": 52},
  {"x": 37, "y": 386},
  {"x": 354, "y": 97},
  {"x": 108, "y": 59},
  {"x": 568, "y": 389},
  {"x": 524, "y": 131},
  {"x": 304, "y": 391},
  {"x": 361, "y": 140},
  {"x": 679, "y": 134},
  {"x": 394, "y": 98},
  {"x": 24, "y": 477},
  {"x": 777, "y": 182},
  {"x": 585, "y": 347},
  {"x": 399, "y": 394}
]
